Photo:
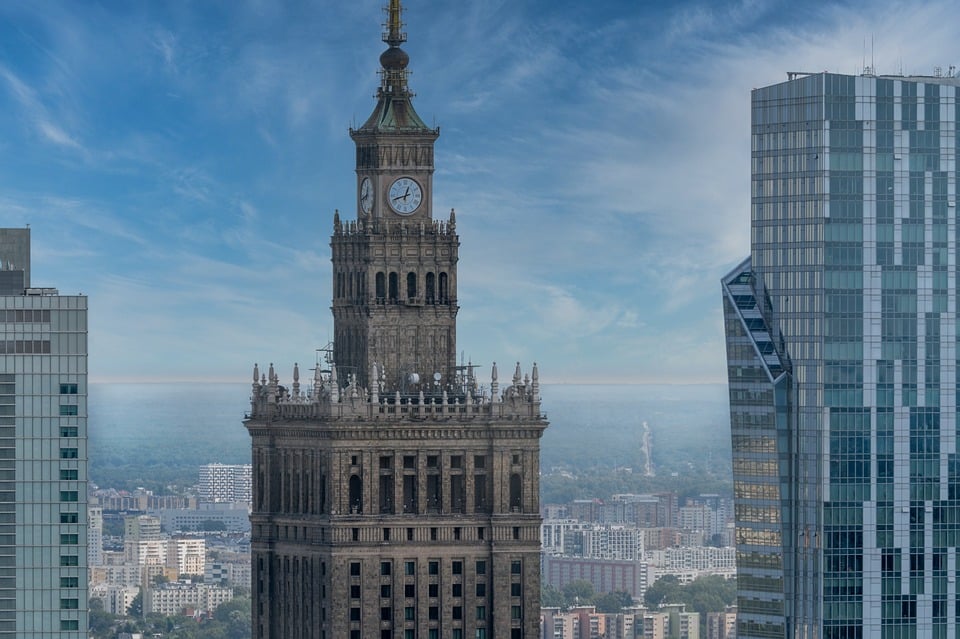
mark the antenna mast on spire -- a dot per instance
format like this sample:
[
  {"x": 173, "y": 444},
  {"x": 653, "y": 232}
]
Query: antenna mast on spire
[{"x": 394, "y": 35}]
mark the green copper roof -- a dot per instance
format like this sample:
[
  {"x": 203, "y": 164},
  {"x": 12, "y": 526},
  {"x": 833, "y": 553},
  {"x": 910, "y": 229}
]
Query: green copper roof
[{"x": 394, "y": 114}]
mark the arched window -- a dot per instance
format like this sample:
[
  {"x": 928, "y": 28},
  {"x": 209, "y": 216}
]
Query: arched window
[
  {"x": 431, "y": 288},
  {"x": 443, "y": 289},
  {"x": 381, "y": 287},
  {"x": 516, "y": 493},
  {"x": 394, "y": 286},
  {"x": 356, "y": 494},
  {"x": 411, "y": 285}
]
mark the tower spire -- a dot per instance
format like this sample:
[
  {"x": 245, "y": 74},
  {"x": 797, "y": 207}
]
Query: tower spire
[
  {"x": 394, "y": 35},
  {"x": 394, "y": 60}
]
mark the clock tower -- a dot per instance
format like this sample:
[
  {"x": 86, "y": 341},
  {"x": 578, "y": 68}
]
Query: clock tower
[
  {"x": 395, "y": 267},
  {"x": 394, "y": 494}
]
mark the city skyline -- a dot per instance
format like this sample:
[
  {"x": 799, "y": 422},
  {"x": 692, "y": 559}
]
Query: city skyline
[{"x": 181, "y": 164}]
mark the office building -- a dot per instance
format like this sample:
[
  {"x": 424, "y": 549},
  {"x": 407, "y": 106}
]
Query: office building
[
  {"x": 842, "y": 358},
  {"x": 43, "y": 452},
  {"x": 393, "y": 495}
]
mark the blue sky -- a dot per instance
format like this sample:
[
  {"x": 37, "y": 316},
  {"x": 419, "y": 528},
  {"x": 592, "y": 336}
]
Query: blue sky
[{"x": 179, "y": 163}]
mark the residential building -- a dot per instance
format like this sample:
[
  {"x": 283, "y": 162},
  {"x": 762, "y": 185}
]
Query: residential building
[
  {"x": 187, "y": 555},
  {"x": 185, "y": 598},
  {"x": 393, "y": 494},
  {"x": 842, "y": 359},
  {"x": 722, "y": 625},
  {"x": 606, "y": 575},
  {"x": 43, "y": 464},
  {"x": 225, "y": 483},
  {"x": 94, "y": 536}
]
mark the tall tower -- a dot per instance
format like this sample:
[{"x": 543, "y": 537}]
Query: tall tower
[
  {"x": 393, "y": 495},
  {"x": 842, "y": 358},
  {"x": 43, "y": 452},
  {"x": 394, "y": 269}
]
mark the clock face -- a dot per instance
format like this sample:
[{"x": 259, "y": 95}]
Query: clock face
[
  {"x": 405, "y": 195},
  {"x": 366, "y": 195}
]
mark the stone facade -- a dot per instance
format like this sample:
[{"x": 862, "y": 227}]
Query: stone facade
[{"x": 392, "y": 492}]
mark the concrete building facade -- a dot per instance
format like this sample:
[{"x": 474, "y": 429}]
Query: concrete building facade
[{"x": 393, "y": 495}]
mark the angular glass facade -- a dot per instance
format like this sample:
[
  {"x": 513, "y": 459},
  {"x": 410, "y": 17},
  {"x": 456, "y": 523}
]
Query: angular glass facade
[{"x": 853, "y": 280}]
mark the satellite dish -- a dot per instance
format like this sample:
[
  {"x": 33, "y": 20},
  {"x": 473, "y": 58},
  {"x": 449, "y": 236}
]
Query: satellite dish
[
  {"x": 436, "y": 377},
  {"x": 414, "y": 378}
]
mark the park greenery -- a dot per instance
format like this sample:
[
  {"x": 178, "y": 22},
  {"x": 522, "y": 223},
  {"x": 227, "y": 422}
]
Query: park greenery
[
  {"x": 711, "y": 593},
  {"x": 230, "y": 620}
]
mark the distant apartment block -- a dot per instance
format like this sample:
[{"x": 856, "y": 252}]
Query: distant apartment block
[
  {"x": 187, "y": 555},
  {"x": 179, "y": 598},
  {"x": 94, "y": 536},
  {"x": 43, "y": 452},
  {"x": 229, "y": 573},
  {"x": 226, "y": 483},
  {"x": 722, "y": 625},
  {"x": 230, "y": 517},
  {"x": 605, "y": 575},
  {"x": 701, "y": 558}
]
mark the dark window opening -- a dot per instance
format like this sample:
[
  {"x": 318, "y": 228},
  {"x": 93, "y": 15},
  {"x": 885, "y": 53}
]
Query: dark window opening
[
  {"x": 356, "y": 494},
  {"x": 443, "y": 294},
  {"x": 409, "y": 494},
  {"x": 394, "y": 287},
  {"x": 411, "y": 286},
  {"x": 431, "y": 288},
  {"x": 386, "y": 494},
  {"x": 516, "y": 493},
  {"x": 381, "y": 283}
]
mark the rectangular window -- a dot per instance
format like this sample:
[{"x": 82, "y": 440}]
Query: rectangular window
[
  {"x": 456, "y": 590},
  {"x": 385, "y": 568},
  {"x": 481, "y": 567},
  {"x": 433, "y": 613},
  {"x": 515, "y": 590},
  {"x": 481, "y": 590},
  {"x": 481, "y": 613},
  {"x": 515, "y": 612},
  {"x": 433, "y": 567},
  {"x": 385, "y": 591},
  {"x": 410, "y": 567},
  {"x": 69, "y": 604},
  {"x": 354, "y": 568},
  {"x": 70, "y": 409},
  {"x": 515, "y": 567},
  {"x": 355, "y": 591},
  {"x": 410, "y": 613},
  {"x": 68, "y": 389},
  {"x": 409, "y": 591},
  {"x": 69, "y": 431},
  {"x": 354, "y": 614},
  {"x": 385, "y": 614},
  {"x": 69, "y": 624},
  {"x": 458, "y": 567},
  {"x": 67, "y": 474},
  {"x": 69, "y": 560},
  {"x": 69, "y": 495},
  {"x": 69, "y": 539},
  {"x": 433, "y": 591},
  {"x": 458, "y": 612},
  {"x": 69, "y": 582},
  {"x": 69, "y": 453},
  {"x": 69, "y": 518}
]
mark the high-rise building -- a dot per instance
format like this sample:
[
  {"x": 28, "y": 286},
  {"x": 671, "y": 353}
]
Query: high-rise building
[
  {"x": 43, "y": 452},
  {"x": 225, "y": 482},
  {"x": 842, "y": 358},
  {"x": 393, "y": 495}
]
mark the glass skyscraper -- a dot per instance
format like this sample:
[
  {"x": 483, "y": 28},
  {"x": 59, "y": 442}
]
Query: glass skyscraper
[
  {"x": 842, "y": 361},
  {"x": 43, "y": 456}
]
